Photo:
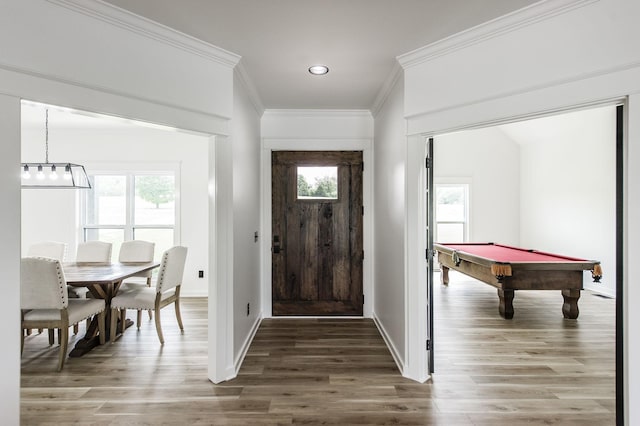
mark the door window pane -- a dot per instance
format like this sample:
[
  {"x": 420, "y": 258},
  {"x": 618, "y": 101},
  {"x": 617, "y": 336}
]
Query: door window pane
[
  {"x": 154, "y": 200},
  {"x": 318, "y": 183}
]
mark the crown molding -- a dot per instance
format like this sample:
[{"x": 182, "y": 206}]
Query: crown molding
[
  {"x": 386, "y": 88},
  {"x": 144, "y": 27},
  {"x": 241, "y": 72},
  {"x": 318, "y": 113},
  {"x": 524, "y": 17}
]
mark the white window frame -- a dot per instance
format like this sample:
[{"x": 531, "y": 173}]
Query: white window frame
[
  {"x": 466, "y": 223},
  {"x": 130, "y": 171}
]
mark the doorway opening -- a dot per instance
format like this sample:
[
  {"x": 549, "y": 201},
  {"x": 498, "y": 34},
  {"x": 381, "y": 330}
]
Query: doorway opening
[{"x": 553, "y": 184}]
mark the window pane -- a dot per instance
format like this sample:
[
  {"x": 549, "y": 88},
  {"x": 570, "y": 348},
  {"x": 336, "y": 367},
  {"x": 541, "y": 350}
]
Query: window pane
[
  {"x": 106, "y": 200},
  {"x": 450, "y": 203},
  {"x": 162, "y": 237},
  {"x": 154, "y": 201},
  {"x": 450, "y": 233},
  {"x": 318, "y": 183}
]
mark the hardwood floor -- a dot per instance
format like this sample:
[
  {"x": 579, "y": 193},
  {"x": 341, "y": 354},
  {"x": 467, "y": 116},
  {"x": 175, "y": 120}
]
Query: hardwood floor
[{"x": 536, "y": 369}]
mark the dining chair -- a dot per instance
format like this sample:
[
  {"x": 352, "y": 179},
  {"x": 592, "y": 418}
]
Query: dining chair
[
  {"x": 53, "y": 250},
  {"x": 137, "y": 251},
  {"x": 90, "y": 252},
  {"x": 44, "y": 302},
  {"x": 50, "y": 249},
  {"x": 166, "y": 292},
  {"x": 93, "y": 252}
]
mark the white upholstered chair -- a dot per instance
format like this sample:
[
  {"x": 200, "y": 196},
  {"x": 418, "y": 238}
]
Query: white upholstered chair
[
  {"x": 166, "y": 292},
  {"x": 137, "y": 251},
  {"x": 45, "y": 304},
  {"x": 94, "y": 252},
  {"x": 50, "y": 249}
]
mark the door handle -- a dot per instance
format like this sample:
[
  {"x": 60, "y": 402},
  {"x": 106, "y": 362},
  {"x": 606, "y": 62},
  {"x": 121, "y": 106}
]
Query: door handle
[{"x": 276, "y": 244}]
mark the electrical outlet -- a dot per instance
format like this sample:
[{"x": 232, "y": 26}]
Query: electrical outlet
[
  {"x": 200, "y": 274},
  {"x": 248, "y": 309}
]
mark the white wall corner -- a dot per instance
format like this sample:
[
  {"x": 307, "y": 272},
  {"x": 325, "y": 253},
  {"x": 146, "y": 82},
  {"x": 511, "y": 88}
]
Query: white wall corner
[
  {"x": 389, "y": 342},
  {"x": 114, "y": 15},
  {"x": 221, "y": 321},
  {"x": 386, "y": 88},
  {"x": 513, "y": 21},
  {"x": 416, "y": 309},
  {"x": 252, "y": 92}
]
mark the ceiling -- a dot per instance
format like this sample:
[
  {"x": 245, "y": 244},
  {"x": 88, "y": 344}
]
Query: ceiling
[{"x": 357, "y": 39}]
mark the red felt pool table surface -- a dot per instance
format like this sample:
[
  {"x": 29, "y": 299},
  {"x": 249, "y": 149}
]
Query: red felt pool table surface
[
  {"x": 511, "y": 268},
  {"x": 503, "y": 253}
]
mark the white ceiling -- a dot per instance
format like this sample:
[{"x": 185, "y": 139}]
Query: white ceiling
[{"x": 358, "y": 39}]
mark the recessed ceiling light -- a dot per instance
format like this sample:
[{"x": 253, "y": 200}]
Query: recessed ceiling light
[{"x": 319, "y": 69}]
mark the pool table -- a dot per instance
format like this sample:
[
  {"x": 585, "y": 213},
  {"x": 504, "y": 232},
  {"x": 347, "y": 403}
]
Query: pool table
[{"x": 511, "y": 268}]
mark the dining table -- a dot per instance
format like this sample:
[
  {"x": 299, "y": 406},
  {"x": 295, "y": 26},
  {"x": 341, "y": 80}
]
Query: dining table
[{"x": 102, "y": 280}]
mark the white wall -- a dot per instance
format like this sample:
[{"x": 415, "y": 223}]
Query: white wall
[
  {"x": 553, "y": 56},
  {"x": 86, "y": 55},
  {"x": 488, "y": 161},
  {"x": 10, "y": 259},
  {"x": 90, "y": 44},
  {"x": 567, "y": 175},
  {"x": 245, "y": 142},
  {"x": 54, "y": 214},
  {"x": 390, "y": 146}
]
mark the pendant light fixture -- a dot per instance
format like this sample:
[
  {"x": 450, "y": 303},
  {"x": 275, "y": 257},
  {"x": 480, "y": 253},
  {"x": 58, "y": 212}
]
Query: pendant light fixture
[{"x": 53, "y": 175}]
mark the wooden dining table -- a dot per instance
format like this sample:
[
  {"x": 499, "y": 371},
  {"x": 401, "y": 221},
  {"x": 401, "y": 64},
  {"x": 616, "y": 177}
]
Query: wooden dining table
[{"x": 103, "y": 282}]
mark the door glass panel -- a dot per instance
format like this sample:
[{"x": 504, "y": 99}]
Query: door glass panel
[{"x": 318, "y": 183}]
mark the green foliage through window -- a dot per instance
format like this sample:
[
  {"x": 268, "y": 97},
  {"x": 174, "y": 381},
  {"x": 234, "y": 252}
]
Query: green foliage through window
[
  {"x": 317, "y": 182},
  {"x": 155, "y": 189}
]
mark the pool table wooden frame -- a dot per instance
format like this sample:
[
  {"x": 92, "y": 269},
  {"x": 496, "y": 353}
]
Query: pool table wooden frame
[{"x": 565, "y": 274}]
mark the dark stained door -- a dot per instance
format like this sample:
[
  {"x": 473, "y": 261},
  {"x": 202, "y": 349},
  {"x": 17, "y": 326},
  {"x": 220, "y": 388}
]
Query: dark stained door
[{"x": 317, "y": 249}]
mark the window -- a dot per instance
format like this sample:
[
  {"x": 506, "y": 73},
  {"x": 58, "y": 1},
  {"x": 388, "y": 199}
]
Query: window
[
  {"x": 128, "y": 206},
  {"x": 318, "y": 183},
  {"x": 452, "y": 213}
]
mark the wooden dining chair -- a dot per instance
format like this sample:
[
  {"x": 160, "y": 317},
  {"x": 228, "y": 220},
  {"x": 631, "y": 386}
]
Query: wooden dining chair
[
  {"x": 166, "y": 292},
  {"x": 93, "y": 252},
  {"x": 44, "y": 302},
  {"x": 137, "y": 251},
  {"x": 52, "y": 250}
]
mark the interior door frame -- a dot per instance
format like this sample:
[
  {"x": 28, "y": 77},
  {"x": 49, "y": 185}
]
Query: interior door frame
[
  {"x": 269, "y": 145},
  {"x": 622, "y": 230}
]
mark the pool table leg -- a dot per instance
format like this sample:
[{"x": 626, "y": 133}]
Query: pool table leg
[
  {"x": 506, "y": 303},
  {"x": 570, "y": 306},
  {"x": 444, "y": 275}
]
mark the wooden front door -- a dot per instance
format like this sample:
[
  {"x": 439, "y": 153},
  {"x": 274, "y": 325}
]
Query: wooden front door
[{"x": 317, "y": 249}]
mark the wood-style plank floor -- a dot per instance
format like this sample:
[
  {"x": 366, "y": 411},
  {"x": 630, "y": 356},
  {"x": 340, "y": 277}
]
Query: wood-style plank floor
[{"x": 537, "y": 369}]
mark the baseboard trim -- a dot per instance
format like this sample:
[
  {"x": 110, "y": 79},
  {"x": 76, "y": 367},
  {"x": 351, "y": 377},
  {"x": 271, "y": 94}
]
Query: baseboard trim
[
  {"x": 388, "y": 342},
  {"x": 247, "y": 343}
]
